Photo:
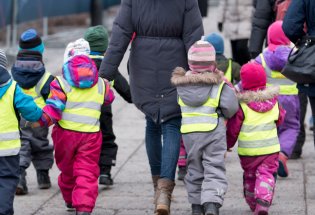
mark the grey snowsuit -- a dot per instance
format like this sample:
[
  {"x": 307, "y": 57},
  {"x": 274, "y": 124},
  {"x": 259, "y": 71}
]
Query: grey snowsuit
[{"x": 205, "y": 179}]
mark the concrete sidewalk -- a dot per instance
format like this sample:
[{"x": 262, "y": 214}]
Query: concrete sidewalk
[{"x": 132, "y": 193}]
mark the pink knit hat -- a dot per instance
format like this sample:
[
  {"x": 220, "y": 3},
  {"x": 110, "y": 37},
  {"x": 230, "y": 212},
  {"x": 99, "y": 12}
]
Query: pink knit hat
[
  {"x": 201, "y": 57},
  {"x": 276, "y": 36},
  {"x": 253, "y": 76}
]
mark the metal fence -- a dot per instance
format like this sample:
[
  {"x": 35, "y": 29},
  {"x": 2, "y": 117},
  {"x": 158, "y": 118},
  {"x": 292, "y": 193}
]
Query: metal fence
[{"x": 28, "y": 10}]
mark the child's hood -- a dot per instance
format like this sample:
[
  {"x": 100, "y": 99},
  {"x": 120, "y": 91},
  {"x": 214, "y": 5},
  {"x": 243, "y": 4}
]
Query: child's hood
[
  {"x": 260, "y": 101},
  {"x": 28, "y": 68},
  {"x": 194, "y": 89},
  {"x": 276, "y": 59},
  {"x": 5, "y": 81},
  {"x": 80, "y": 72}
]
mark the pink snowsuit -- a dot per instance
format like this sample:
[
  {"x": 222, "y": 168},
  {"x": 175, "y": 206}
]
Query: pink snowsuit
[
  {"x": 76, "y": 153},
  {"x": 259, "y": 171}
]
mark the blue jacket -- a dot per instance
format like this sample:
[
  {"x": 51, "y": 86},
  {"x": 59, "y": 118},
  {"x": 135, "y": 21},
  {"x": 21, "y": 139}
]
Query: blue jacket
[
  {"x": 23, "y": 103},
  {"x": 299, "y": 12}
]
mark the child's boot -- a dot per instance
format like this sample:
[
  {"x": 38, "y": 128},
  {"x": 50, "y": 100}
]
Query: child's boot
[
  {"x": 262, "y": 207},
  {"x": 181, "y": 173},
  {"x": 43, "y": 179},
  {"x": 21, "y": 188},
  {"x": 163, "y": 196},
  {"x": 105, "y": 176},
  {"x": 197, "y": 209},
  {"x": 211, "y": 208},
  {"x": 70, "y": 207},
  {"x": 283, "y": 169}
]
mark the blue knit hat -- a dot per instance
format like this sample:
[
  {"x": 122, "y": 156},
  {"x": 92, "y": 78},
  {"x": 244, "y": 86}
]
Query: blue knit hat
[
  {"x": 30, "y": 40},
  {"x": 217, "y": 41}
]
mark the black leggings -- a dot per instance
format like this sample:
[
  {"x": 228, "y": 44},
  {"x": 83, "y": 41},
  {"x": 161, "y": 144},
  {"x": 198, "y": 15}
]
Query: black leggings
[{"x": 240, "y": 51}]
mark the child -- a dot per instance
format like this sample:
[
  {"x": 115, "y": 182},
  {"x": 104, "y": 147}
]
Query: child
[
  {"x": 205, "y": 101},
  {"x": 74, "y": 105},
  {"x": 12, "y": 102},
  {"x": 30, "y": 73},
  {"x": 273, "y": 59},
  {"x": 254, "y": 126},
  {"x": 231, "y": 69},
  {"x": 97, "y": 37}
]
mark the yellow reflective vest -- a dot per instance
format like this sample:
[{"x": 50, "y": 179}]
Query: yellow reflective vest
[
  {"x": 287, "y": 87},
  {"x": 10, "y": 143},
  {"x": 258, "y": 134},
  {"x": 83, "y": 106},
  {"x": 228, "y": 72},
  {"x": 35, "y": 91},
  {"x": 203, "y": 118}
]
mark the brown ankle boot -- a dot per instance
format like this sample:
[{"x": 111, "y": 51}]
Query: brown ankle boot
[{"x": 163, "y": 196}]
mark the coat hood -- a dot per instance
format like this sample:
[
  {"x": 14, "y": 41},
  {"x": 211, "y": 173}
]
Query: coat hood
[
  {"x": 195, "y": 89},
  {"x": 260, "y": 101},
  {"x": 276, "y": 59},
  {"x": 80, "y": 71},
  {"x": 28, "y": 68}
]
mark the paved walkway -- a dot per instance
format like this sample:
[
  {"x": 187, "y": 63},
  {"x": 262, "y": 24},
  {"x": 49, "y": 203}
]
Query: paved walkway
[{"x": 132, "y": 191}]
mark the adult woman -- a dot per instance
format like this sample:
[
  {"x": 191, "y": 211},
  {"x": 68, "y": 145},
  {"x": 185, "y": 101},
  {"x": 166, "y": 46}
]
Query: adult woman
[
  {"x": 300, "y": 12},
  {"x": 235, "y": 21},
  {"x": 164, "y": 32}
]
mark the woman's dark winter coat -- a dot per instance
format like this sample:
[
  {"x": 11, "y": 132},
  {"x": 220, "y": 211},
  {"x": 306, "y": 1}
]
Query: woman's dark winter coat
[{"x": 164, "y": 32}]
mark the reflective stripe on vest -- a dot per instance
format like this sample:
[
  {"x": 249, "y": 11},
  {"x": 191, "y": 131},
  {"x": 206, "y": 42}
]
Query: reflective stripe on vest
[
  {"x": 203, "y": 118},
  {"x": 228, "y": 72},
  {"x": 287, "y": 87},
  {"x": 83, "y": 106},
  {"x": 35, "y": 91},
  {"x": 10, "y": 143},
  {"x": 258, "y": 134}
]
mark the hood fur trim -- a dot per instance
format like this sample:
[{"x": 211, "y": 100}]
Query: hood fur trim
[
  {"x": 258, "y": 96},
  {"x": 179, "y": 78}
]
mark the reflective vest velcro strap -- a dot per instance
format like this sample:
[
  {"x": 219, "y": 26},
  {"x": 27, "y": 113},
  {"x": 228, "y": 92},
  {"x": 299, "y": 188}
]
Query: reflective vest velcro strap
[
  {"x": 263, "y": 127},
  {"x": 199, "y": 119},
  {"x": 90, "y": 105},
  {"x": 80, "y": 119},
  {"x": 9, "y": 152},
  {"x": 258, "y": 143},
  {"x": 287, "y": 87},
  {"x": 201, "y": 109},
  {"x": 10, "y": 136}
]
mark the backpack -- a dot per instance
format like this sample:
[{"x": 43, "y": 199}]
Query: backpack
[{"x": 281, "y": 7}]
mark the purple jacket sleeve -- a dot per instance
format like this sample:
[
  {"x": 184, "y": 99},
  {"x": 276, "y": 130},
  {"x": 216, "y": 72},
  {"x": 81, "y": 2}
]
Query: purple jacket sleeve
[{"x": 233, "y": 128}]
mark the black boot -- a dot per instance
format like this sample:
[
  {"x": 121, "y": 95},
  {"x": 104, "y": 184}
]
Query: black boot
[
  {"x": 197, "y": 209},
  {"x": 70, "y": 207},
  {"x": 43, "y": 179},
  {"x": 21, "y": 188},
  {"x": 105, "y": 176},
  {"x": 181, "y": 173},
  {"x": 211, "y": 208}
]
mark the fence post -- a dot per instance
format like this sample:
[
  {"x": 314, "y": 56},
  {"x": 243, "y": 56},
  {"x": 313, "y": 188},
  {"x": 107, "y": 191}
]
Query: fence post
[
  {"x": 96, "y": 12},
  {"x": 8, "y": 36},
  {"x": 45, "y": 26},
  {"x": 14, "y": 22}
]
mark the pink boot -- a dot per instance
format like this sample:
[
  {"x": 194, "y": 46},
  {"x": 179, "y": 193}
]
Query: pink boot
[{"x": 262, "y": 208}]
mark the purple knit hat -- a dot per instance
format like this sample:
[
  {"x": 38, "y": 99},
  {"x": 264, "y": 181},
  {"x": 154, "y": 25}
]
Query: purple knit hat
[{"x": 201, "y": 57}]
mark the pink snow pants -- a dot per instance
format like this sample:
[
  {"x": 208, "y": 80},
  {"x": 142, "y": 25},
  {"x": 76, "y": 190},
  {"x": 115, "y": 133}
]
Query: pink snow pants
[
  {"x": 182, "y": 155},
  {"x": 77, "y": 155},
  {"x": 259, "y": 177}
]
